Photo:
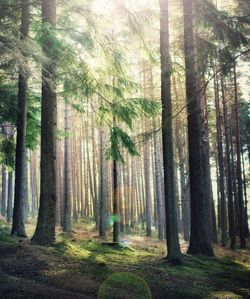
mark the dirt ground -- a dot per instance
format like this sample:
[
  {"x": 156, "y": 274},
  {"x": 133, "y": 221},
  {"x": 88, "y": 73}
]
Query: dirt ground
[{"x": 77, "y": 267}]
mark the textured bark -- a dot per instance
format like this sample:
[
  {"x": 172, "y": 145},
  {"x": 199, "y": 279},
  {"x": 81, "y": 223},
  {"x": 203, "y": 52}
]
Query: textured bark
[
  {"x": 19, "y": 200},
  {"x": 199, "y": 238},
  {"x": 173, "y": 246},
  {"x": 45, "y": 229}
]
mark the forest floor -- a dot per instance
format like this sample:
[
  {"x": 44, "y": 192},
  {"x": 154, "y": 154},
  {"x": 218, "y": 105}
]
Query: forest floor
[{"x": 79, "y": 266}]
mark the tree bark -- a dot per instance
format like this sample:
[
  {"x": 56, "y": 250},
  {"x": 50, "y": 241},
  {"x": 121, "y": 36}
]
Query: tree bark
[
  {"x": 67, "y": 172},
  {"x": 231, "y": 210},
  {"x": 18, "y": 227},
  {"x": 173, "y": 246},
  {"x": 45, "y": 229},
  {"x": 238, "y": 169},
  {"x": 10, "y": 196},
  {"x": 199, "y": 238}
]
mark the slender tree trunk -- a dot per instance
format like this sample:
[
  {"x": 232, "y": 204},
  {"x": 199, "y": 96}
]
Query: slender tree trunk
[
  {"x": 19, "y": 201},
  {"x": 33, "y": 184},
  {"x": 116, "y": 230},
  {"x": 26, "y": 188},
  {"x": 67, "y": 172},
  {"x": 231, "y": 211},
  {"x": 147, "y": 187},
  {"x": 174, "y": 252},
  {"x": 4, "y": 191},
  {"x": 207, "y": 171},
  {"x": 103, "y": 187},
  {"x": 185, "y": 197},
  {"x": 239, "y": 177},
  {"x": 158, "y": 187},
  {"x": 10, "y": 196},
  {"x": 221, "y": 199},
  {"x": 245, "y": 194},
  {"x": 45, "y": 229},
  {"x": 58, "y": 184},
  {"x": 199, "y": 239}
]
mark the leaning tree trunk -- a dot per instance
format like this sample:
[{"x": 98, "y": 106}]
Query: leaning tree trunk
[
  {"x": 45, "y": 229},
  {"x": 199, "y": 239},
  {"x": 19, "y": 201},
  {"x": 174, "y": 252}
]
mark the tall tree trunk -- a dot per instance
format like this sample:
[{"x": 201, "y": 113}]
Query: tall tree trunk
[
  {"x": 146, "y": 158},
  {"x": 207, "y": 171},
  {"x": 33, "y": 184},
  {"x": 19, "y": 201},
  {"x": 245, "y": 194},
  {"x": 174, "y": 252},
  {"x": 4, "y": 190},
  {"x": 116, "y": 229},
  {"x": 221, "y": 199},
  {"x": 67, "y": 172},
  {"x": 26, "y": 188},
  {"x": 239, "y": 177},
  {"x": 199, "y": 239},
  {"x": 157, "y": 161},
  {"x": 231, "y": 211},
  {"x": 103, "y": 187},
  {"x": 94, "y": 158},
  {"x": 10, "y": 196},
  {"x": 185, "y": 197},
  {"x": 45, "y": 229}
]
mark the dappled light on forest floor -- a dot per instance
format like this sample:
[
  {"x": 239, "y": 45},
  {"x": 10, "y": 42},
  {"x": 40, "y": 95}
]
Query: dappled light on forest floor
[{"x": 77, "y": 265}]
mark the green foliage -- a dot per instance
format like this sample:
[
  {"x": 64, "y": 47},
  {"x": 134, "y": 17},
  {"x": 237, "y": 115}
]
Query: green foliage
[
  {"x": 119, "y": 137},
  {"x": 7, "y": 152},
  {"x": 225, "y": 35},
  {"x": 8, "y": 103},
  {"x": 244, "y": 108},
  {"x": 8, "y": 116}
]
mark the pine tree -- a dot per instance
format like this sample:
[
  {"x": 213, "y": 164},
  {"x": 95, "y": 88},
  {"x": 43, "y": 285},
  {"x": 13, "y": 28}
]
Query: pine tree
[
  {"x": 19, "y": 197},
  {"x": 45, "y": 229},
  {"x": 199, "y": 239},
  {"x": 174, "y": 252}
]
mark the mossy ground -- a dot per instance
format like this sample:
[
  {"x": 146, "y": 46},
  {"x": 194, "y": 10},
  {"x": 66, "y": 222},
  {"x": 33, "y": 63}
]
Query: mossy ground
[{"x": 77, "y": 265}]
